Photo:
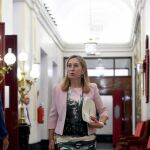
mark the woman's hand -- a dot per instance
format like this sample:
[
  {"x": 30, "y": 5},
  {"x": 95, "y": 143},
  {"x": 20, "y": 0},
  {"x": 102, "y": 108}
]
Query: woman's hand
[
  {"x": 51, "y": 139},
  {"x": 52, "y": 145},
  {"x": 94, "y": 123}
]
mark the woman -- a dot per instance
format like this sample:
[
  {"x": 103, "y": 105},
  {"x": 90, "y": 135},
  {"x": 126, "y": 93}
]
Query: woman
[{"x": 67, "y": 129}]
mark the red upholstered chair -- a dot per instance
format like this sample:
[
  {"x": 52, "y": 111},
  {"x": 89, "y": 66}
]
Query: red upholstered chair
[
  {"x": 141, "y": 147},
  {"x": 136, "y": 141},
  {"x": 148, "y": 143},
  {"x": 138, "y": 133}
]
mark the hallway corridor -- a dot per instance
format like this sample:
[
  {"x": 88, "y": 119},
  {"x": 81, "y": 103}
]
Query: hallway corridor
[{"x": 84, "y": 67}]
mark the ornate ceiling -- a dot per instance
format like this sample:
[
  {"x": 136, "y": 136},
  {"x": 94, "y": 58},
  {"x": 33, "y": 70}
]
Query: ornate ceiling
[{"x": 105, "y": 21}]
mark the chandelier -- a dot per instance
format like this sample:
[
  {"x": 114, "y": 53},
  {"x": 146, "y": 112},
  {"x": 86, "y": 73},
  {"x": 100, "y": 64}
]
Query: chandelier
[{"x": 91, "y": 45}]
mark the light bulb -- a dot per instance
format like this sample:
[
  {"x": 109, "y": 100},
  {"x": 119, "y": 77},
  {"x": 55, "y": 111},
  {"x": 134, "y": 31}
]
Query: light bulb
[
  {"x": 9, "y": 58},
  {"x": 35, "y": 72},
  {"x": 23, "y": 56}
]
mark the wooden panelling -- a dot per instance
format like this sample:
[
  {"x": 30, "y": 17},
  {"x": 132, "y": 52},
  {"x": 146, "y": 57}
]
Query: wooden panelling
[
  {"x": 11, "y": 81},
  {"x": 2, "y": 53},
  {"x": 107, "y": 84}
]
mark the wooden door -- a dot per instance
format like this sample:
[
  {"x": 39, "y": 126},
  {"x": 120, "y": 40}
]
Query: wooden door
[
  {"x": 2, "y": 53},
  {"x": 117, "y": 115},
  {"x": 11, "y": 81},
  {"x": 107, "y": 86}
]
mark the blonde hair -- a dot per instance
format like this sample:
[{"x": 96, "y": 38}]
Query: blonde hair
[{"x": 84, "y": 78}]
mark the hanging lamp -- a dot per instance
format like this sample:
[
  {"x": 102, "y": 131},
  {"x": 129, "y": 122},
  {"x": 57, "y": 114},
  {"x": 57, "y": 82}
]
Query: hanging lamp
[{"x": 91, "y": 45}]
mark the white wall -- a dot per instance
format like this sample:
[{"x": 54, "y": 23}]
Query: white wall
[
  {"x": 7, "y": 15},
  {"x": 146, "y": 27},
  {"x": 120, "y": 52},
  {"x": 34, "y": 35},
  {"x": 146, "y": 17},
  {"x": 108, "y": 102},
  {"x": 53, "y": 56}
]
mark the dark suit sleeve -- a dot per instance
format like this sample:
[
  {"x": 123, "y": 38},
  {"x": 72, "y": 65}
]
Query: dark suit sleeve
[{"x": 3, "y": 130}]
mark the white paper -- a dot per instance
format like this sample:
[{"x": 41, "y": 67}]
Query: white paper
[{"x": 88, "y": 109}]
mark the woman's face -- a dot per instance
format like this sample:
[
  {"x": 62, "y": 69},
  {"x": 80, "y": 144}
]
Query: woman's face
[{"x": 74, "y": 69}]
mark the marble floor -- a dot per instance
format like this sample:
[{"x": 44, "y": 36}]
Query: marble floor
[
  {"x": 99, "y": 146},
  {"x": 104, "y": 146}
]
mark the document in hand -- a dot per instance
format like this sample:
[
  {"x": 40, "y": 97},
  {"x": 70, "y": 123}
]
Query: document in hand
[{"x": 88, "y": 109}]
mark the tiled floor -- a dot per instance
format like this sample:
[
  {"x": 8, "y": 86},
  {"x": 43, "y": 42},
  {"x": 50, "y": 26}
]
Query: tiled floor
[
  {"x": 99, "y": 146},
  {"x": 104, "y": 146}
]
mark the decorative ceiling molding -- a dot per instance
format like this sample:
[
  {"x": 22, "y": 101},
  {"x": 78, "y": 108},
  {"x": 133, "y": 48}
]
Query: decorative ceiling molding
[
  {"x": 76, "y": 21},
  {"x": 38, "y": 8}
]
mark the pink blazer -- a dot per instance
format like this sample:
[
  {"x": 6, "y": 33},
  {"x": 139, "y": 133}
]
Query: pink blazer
[{"x": 57, "y": 115}]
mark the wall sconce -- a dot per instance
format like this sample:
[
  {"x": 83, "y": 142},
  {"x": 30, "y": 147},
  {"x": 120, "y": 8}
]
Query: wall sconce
[
  {"x": 24, "y": 85},
  {"x": 9, "y": 59}
]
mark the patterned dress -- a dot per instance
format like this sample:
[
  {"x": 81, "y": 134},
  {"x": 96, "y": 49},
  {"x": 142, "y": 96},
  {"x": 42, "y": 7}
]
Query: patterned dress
[{"x": 75, "y": 127}]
